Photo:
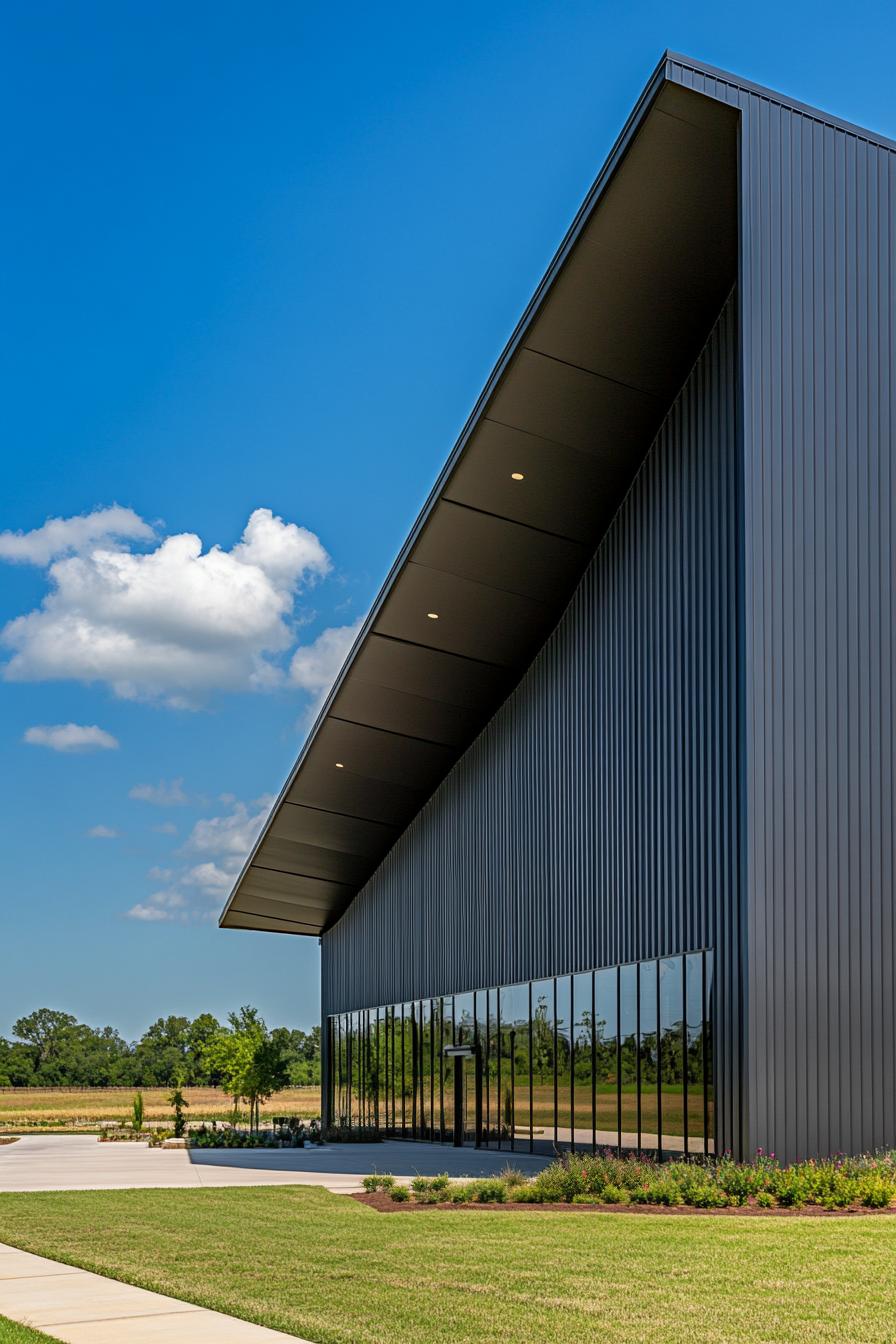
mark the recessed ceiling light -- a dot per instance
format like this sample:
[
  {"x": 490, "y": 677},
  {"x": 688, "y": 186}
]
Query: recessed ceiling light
[
  {"x": 339, "y": 765},
  {"x": 517, "y": 476},
  {"x": 433, "y": 615}
]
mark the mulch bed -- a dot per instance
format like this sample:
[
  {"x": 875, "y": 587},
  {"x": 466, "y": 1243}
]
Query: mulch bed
[
  {"x": 11, "y": 1139},
  {"x": 383, "y": 1204}
]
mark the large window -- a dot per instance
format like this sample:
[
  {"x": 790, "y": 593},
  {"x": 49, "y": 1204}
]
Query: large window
[{"x": 620, "y": 1057}]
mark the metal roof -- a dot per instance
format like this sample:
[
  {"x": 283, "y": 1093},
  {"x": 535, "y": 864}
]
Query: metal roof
[{"x": 571, "y": 408}]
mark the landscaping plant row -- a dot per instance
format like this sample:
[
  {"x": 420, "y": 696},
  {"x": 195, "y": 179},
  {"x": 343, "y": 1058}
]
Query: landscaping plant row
[{"x": 834, "y": 1183}]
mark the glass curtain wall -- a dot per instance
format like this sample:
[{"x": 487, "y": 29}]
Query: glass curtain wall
[{"x": 620, "y": 1057}]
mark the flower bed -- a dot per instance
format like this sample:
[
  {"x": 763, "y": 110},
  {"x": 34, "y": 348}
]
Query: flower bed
[
  {"x": 839, "y": 1183},
  {"x": 286, "y": 1133}
]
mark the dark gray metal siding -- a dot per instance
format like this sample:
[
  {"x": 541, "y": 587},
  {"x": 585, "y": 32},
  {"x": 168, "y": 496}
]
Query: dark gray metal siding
[
  {"x": 818, "y": 274},
  {"x": 595, "y": 819}
]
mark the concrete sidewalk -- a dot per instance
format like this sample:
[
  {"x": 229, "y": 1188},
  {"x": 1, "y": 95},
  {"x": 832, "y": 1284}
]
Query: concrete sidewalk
[
  {"x": 82, "y": 1308},
  {"x": 79, "y": 1162}
]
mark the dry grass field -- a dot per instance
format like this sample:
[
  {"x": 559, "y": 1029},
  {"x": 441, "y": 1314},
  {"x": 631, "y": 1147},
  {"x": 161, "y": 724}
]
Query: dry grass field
[{"x": 50, "y": 1108}]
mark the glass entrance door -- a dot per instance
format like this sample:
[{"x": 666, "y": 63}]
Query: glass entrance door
[{"x": 466, "y": 1096}]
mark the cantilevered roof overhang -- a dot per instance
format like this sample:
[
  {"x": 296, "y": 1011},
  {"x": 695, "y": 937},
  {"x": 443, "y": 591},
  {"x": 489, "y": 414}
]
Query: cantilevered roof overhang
[{"x": 526, "y": 495}]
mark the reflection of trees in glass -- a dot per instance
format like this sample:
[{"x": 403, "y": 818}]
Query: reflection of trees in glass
[
  {"x": 648, "y": 1058},
  {"x": 604, "y": 1052},
  {"x": 671, "y": 1070},
  {"x": 542, "y": 1041},
  {"x": 582, "y": 1046},
  {"x": 388, "y": 1060}
]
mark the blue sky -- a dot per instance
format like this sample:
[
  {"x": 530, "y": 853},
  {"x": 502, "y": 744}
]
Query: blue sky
[{"x": 262, "y": 258}]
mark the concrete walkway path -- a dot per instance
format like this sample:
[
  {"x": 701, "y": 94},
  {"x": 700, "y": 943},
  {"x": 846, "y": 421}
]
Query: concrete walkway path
[
  {"x": 80, "y": 1162},
  {"x": 82, "y": 1308}
]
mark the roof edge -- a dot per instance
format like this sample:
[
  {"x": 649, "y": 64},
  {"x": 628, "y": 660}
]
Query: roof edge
[
  {"x": 675, "y": 58},
  {"x": 633, "y": 123}
]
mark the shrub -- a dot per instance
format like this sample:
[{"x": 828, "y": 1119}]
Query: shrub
[
  {"x": 738, "y": 1180},
  {"x": 400, "y": 1194},
  {"x": 700, "y": 1192},
  {"x": 372, "y": 1183},
  {"x": 555, "y": 1185},
  {"x": 426, "y": 1185},
  {"x": 665, "y": 1191},
  {"x": 489, "y": 1190},
  {"x": 875, "y": 1191},
  {"x": 612, "y": 1194},
  {"x": 765, "y": 1200},
  {"x": 790, "y": 1188}
]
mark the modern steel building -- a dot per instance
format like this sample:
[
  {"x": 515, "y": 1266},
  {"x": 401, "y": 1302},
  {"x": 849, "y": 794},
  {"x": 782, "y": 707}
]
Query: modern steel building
[{"x": 596, "y": 825}]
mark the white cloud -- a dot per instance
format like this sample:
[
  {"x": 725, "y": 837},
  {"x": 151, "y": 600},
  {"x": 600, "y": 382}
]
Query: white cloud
[
  {"x": 232, "y": 835},
  {"x": 148, "y": 912},
  {"x": 102, "y": 833},
  {"x": 221, "y": 845},
  {"x": 163, "y": 794},
  {"x": 70, "y": 737},
  {"x": 213, "y": 878},
  {"x": 162, "y": 905},
  {"x": 166, "y": 828},
  {"x": 173, "y": 622},
  {"x": 65, "y": 536},
  {"x": 315, "y": 667}
]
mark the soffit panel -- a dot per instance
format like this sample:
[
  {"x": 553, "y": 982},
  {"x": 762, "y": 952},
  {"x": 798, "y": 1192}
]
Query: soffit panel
[
  {"x": 320, "y": 784},
  {"x": 287, "y": 856},
  {"x": 396, "y": 711},
  {"x": 497, "y": 552},
  {"x": 563, "y": 490},
  {"x": 631, "y": 304},
  {"x": 432, "y": 674},
  {"x": 330, "y": 830},
  {"x": 474, "y": 620},
  {"x": 573, "y": 406},
  {"x": 383, "y": 756},
  {"x": 294, "y": 888},
  {"x": 243, "y": 915}
]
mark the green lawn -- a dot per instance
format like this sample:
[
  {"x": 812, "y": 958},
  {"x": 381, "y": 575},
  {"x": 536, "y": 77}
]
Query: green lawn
[
  {"x": 324, "y": 1266},
  {"x": 12, "y": 1333}
]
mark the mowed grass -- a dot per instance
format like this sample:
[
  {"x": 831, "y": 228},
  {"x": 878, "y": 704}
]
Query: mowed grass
[
  {"x": 29, "y": 1107},
  {"x": 13, "y": 1333},
  {"x": 334, "y": 1271}
]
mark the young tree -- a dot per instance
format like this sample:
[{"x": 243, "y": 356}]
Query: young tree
[{"x": 250, "y": 1060}]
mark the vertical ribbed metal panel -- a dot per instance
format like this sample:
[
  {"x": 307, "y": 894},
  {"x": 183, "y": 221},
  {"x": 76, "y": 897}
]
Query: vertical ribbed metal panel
[
  {"x": 594, "y": 821},
  {"x": 818, "y": 236}
]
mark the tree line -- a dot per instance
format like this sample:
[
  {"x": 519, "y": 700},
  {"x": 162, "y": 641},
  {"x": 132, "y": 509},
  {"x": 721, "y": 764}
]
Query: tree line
[{"x": 54, "y": 1049}]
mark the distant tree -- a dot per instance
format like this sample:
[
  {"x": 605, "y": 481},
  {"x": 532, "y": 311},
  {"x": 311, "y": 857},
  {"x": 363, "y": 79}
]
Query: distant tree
[
  {"x": 16, "y": 1064},
  {"x": 53, "y": 1049},
  {"x": 200, "y": 1033},
  {"x": 161, "y": 1052},
  {"x": 47, "y": 1033}
]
